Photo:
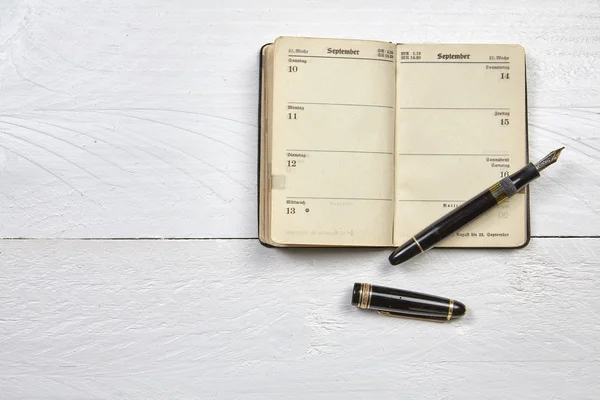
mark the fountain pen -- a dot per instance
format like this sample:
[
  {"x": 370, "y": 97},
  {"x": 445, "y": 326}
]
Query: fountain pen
[
  {"x": 471, "y": 209},
  {"x": 403, "y": 303}
]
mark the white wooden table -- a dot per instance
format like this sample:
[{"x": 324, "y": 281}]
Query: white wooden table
[{"x": 129, "y": 265}]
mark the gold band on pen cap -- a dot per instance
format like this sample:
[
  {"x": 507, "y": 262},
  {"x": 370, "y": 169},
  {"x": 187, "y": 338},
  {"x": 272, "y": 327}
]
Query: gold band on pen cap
[
  {"x": 366, "y": 291},
  {"x": 450, "y": 307}
]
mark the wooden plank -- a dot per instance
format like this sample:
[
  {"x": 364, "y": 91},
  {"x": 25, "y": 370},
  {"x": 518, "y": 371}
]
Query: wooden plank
[
  {"x": 138, "y": 119},
  {"x": 233, "y": 319}
]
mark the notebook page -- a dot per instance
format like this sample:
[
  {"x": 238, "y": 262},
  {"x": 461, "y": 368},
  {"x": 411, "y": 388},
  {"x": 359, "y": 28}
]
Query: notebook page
[
  {"x": 332, "y": 142},
  {"x": 460, "y": 127}
]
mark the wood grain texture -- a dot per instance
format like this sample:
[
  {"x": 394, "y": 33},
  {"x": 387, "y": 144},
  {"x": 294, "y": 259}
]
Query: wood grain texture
[
  {"x": 138, "y": 118},
  {"x": 232, "y": 319}
]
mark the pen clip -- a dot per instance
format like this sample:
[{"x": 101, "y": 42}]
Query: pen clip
[{"x": 400, "y": 315}]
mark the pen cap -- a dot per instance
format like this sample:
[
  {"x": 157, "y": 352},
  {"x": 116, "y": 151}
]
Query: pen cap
[{"x": 404, "y": 303}]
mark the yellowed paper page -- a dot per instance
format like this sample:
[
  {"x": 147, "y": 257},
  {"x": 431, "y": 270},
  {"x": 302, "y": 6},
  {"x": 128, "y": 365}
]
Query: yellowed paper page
[
  {"x": 460, "y": 127},
  {"x": 332, "y": 142}
]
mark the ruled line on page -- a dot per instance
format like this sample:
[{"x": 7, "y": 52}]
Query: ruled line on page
[
  {"x": 430, "y": 201},
  {"x": 453, "y": 108},
  {"x": 454, "y": 62},
  {"x": 343, "y": 58},
  {"x": 341, "y": 151},
  {"x": 441, "y": 201},
  {"x": 455, "y": 154},
  {"x": 338, "y": 198},
  {"x": 342, "y": 104}
]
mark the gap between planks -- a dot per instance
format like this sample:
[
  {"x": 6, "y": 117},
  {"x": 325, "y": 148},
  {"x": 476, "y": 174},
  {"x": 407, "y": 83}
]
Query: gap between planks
[{"x": 230, "y": 238}]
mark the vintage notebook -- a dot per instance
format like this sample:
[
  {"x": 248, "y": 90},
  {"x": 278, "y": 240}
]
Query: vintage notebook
[{"x": 364, "y": 143}]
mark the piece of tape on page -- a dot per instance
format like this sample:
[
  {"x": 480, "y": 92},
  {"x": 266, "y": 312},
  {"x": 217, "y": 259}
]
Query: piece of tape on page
[
  {"x": 508, "y": 186},
  {"x": 277, "y": 182}
]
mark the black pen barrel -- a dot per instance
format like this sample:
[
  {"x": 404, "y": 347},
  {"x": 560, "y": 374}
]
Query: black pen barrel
[
  {"x": 455, "y": 219},
  {"x": 464, "y": 214},
  {"x": 476, "y": 206}
]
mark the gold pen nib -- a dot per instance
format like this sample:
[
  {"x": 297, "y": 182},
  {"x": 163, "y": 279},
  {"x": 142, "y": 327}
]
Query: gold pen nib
[{"x": 548, "y": 160}]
